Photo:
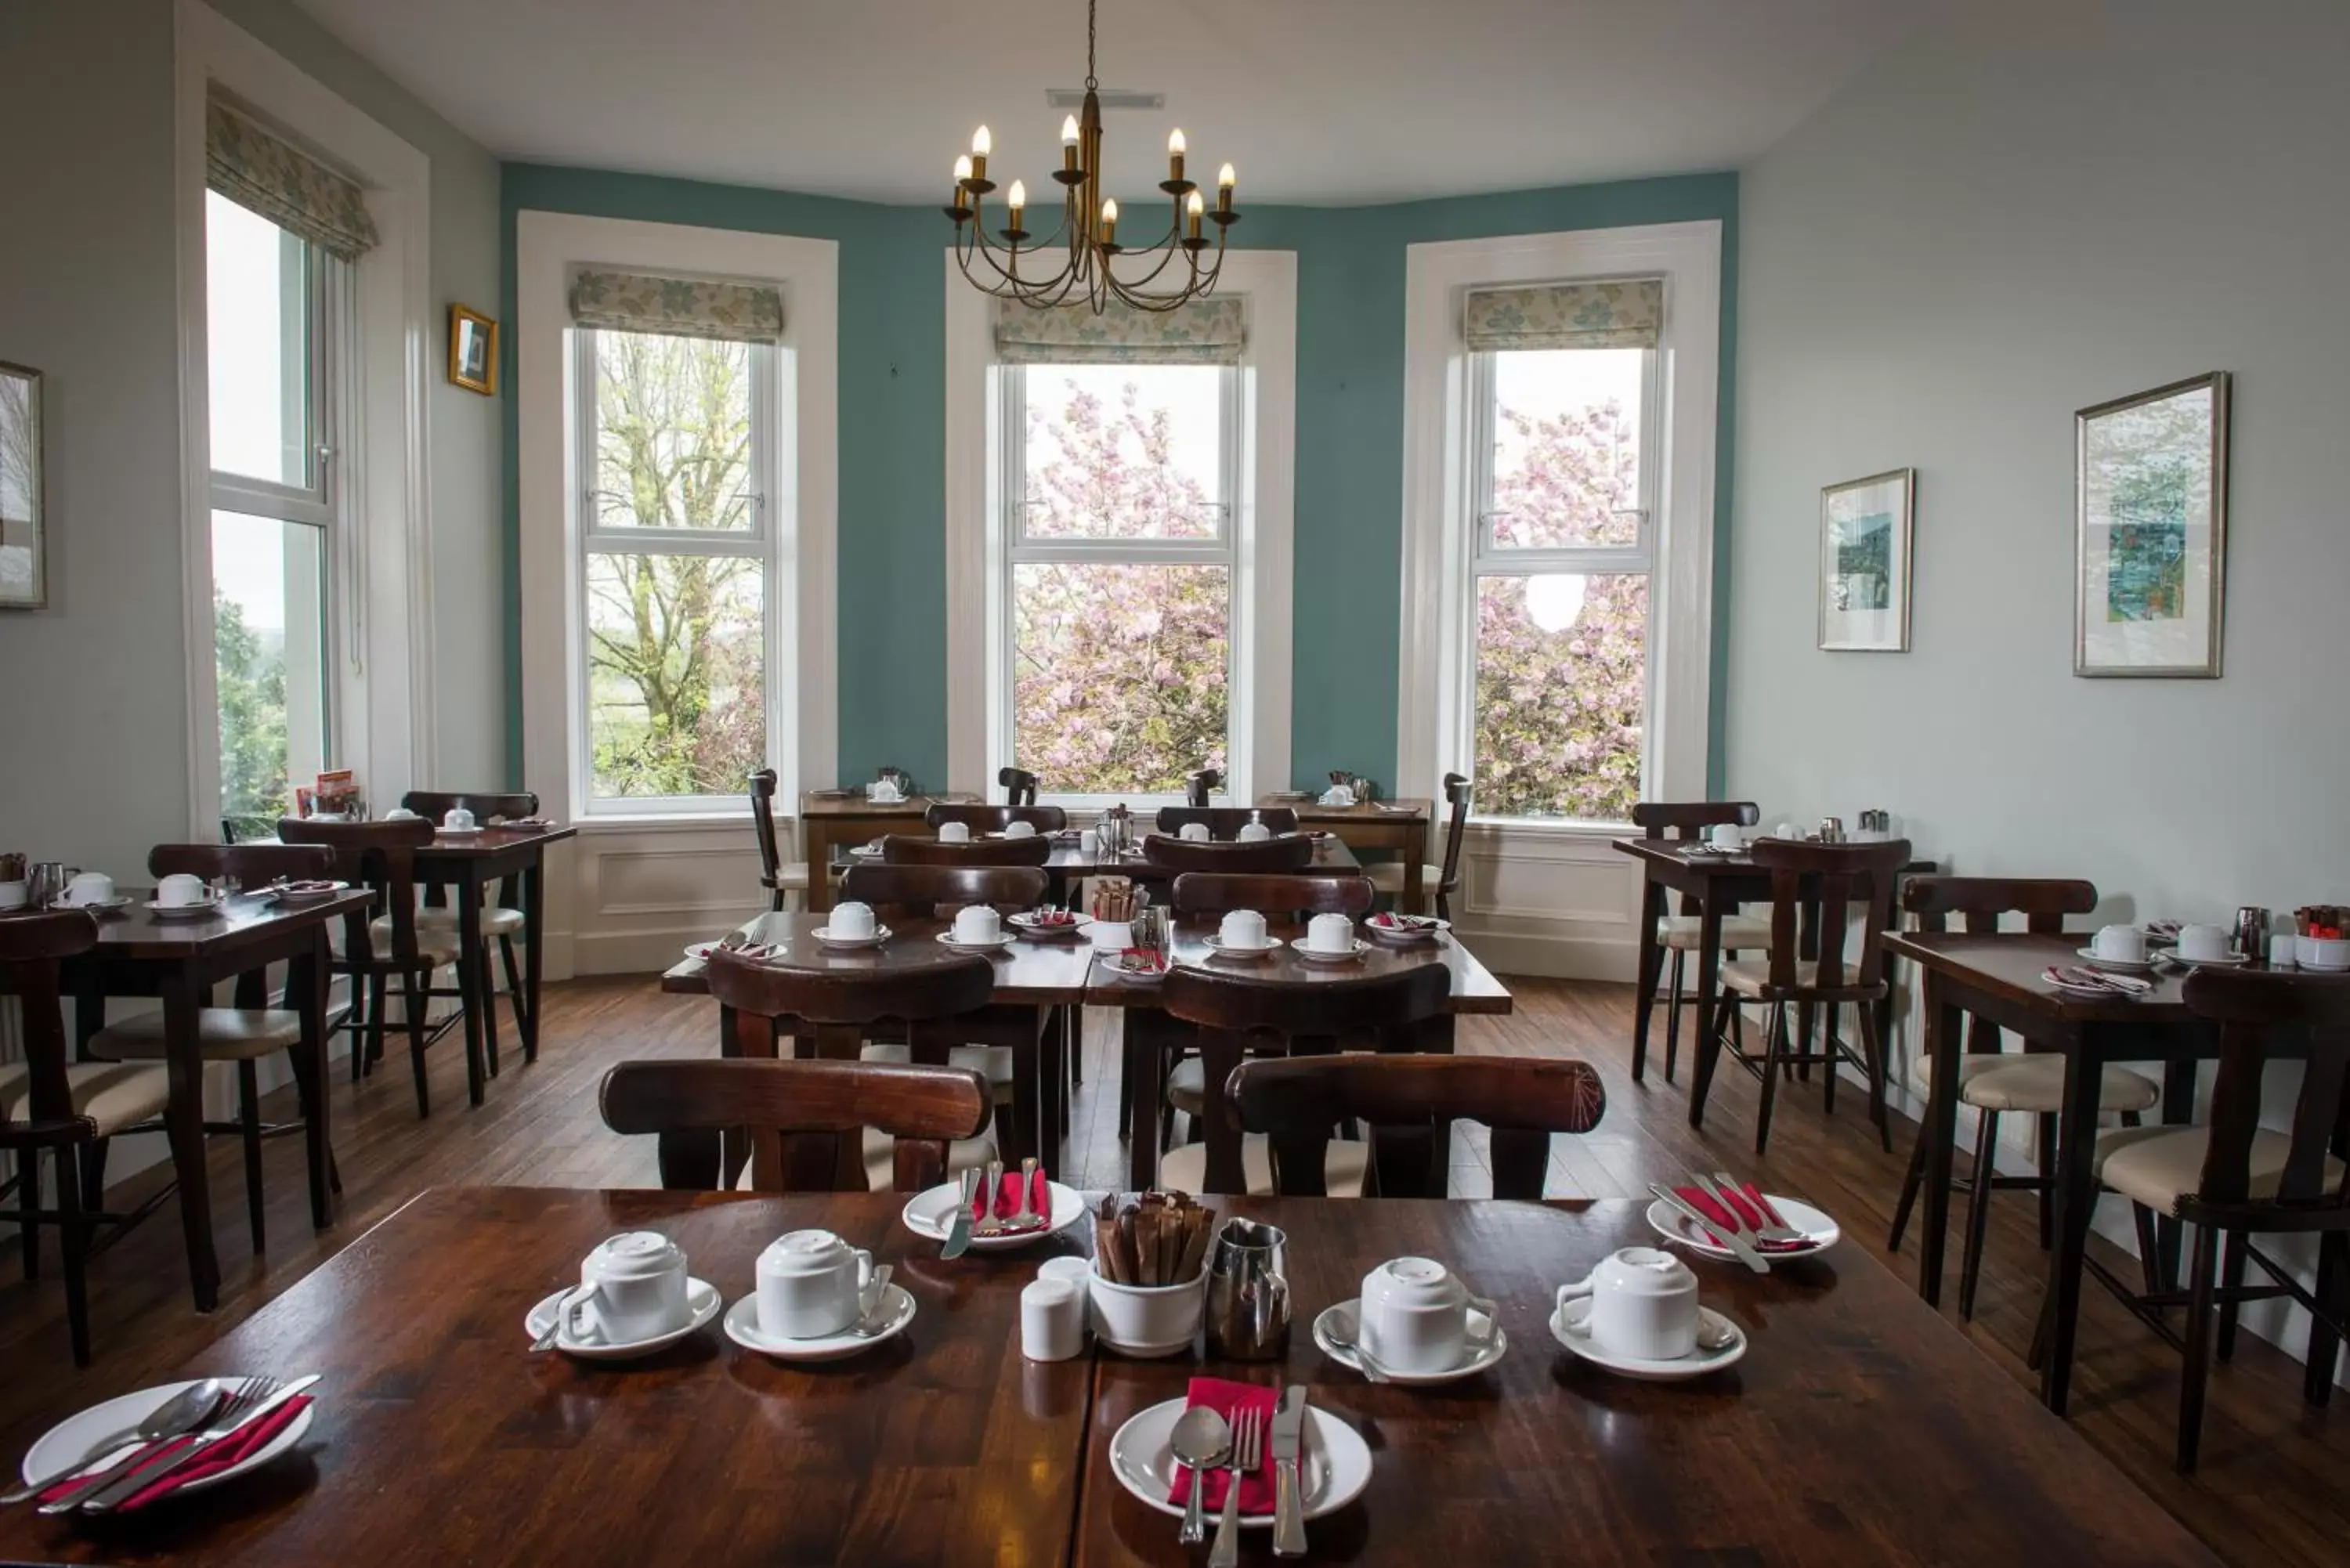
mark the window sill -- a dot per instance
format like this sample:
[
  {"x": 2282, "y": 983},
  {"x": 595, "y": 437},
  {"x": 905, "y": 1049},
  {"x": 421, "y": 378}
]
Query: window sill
[
  {"x": 1545, "y": 827},
  {"x": 685, "y": 820}
]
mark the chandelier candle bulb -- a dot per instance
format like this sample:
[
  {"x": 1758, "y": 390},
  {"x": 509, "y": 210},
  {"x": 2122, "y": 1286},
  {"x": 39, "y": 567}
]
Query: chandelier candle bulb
[
  {"x": 1225, "y": 180},
  {"x": 1175, "y": 155},
  {"x": 1017, "y": 201},
  {"x": 982, "y": 144},
  {"x": 1109, "y": 221},
  {"x": 1194, "y": 207}
]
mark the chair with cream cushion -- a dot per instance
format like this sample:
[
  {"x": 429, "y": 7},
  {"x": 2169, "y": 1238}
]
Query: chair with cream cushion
[
  {"x": 1437, "y": 883},
  {"x": 780, "y": 878},
  {"x": 2233, "y": 1177},
  {"x": 1679, "y": 935},
  {"x": 502, "y": 920}
]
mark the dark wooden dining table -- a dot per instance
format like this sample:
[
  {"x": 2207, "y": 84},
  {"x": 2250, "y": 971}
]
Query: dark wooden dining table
[
  {"x": 1860, "y": 1428},
  {"x": 832, "y": 820},
  {"x": 1398, "y": 826},
  {"x": 469, "y": 863},
  {"x": 178, "y": 960},
  {"x": 1071, "y": 859}
]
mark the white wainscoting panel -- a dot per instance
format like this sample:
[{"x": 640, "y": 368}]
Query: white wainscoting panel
[
  {"x": 625, "y": 897},
  {"x": 1548, "y": 901}
]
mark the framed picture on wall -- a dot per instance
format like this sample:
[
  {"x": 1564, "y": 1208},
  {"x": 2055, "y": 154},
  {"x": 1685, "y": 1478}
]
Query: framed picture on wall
[
  {"x": 24, "y": 544},
  {"x": 472, "y": 350},
  {"x": 2151, "y": 472},
  {"x": 1865, "y": 546}
]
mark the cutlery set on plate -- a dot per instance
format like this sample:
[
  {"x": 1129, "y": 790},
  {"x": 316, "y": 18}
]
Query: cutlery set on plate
[
  {"x": 202, "y": 1430},
  {"x": 1743, "y": 1220},
  {"x": 1028, "y": 1210}
]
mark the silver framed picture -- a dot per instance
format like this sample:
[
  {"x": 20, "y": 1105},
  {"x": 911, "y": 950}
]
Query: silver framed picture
[
  {"x": 2151, "y": 532},
  {"x": 23, "y": 566},
  {"x": 1866, "y": 538}
]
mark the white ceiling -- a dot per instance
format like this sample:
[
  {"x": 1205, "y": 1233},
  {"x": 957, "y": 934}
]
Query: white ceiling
[{"x": 1315, "y": 100}]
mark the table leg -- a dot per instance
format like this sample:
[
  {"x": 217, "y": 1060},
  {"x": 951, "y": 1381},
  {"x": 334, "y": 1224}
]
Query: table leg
[
  {"x": 1145, "y": 1029},
  {"x": 1415, "y": 857},
  {"x": 1945, "y": 1026},
  {"x": 1708, "y": 982},
  {"x": 1053, "y": 1081},
  {"x": 183, "y": 1125},
  {"x": 1652, "y": 956},
  {"x": 305, "y": 985},
  {"x": 1437, "y": 1036},
  {"x": 815, "y": 843},
  {"x": 1219, "y": 1053},
  {"x": 2076, "y": 1200},
  {"x": 534, "y": 919},
  {"x": 473, "y": 971},
  {"x": 2178, "y": 1106}
]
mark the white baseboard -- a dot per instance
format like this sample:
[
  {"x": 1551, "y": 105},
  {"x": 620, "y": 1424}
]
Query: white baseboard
[{"x": 642, "y": 951}]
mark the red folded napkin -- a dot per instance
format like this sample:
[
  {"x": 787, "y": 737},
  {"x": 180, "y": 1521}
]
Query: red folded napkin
[
  {"x": 1257, "y": 1492},
  {"x": 222, "y": 1455},
  {"x": 1752, "y": 1207},
  {"x": 1007, "y": 1197}
]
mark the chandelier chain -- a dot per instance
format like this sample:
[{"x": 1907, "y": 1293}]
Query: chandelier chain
[{"x": 1090, "y": 83}]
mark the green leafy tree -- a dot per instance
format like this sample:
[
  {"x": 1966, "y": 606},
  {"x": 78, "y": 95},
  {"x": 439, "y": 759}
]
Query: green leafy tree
[{"x": 252, "y": 684}]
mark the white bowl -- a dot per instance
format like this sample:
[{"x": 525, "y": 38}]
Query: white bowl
[
  {"x": 2322, "y": 952},
  {"x": 1147, "y": 1320}
]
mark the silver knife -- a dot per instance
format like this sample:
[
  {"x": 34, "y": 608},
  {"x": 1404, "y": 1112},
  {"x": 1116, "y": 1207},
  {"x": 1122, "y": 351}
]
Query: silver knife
[
  {"x": 107, "y": 1498},
  {"x": 958, "y": 1229},
  {"x": 1739, "y": 1246},
  {"x": 1289, "y": 1508},
  {"x": 1769, "y": 1229}
]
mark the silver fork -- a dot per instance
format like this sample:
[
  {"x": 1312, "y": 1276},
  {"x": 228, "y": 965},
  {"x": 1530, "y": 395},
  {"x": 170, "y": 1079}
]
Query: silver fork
[
  {"x": 989, "y": 1225},
  {"x": 244, "y": 1394},
  {"x": 1769, "y": 1229},
  {"x": 1248, "y": 1450}
]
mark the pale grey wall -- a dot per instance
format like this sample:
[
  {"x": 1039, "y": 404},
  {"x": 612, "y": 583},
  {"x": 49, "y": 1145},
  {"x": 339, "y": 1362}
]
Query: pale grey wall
[{"x": 2002, "y": 221}]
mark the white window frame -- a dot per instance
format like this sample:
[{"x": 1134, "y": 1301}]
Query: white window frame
[
  {"x": 1436, "y": 691},
  {"x": 1260, "y": 481},
  {"x": 1018, "y": 549},
  {"x": 770, "y": 498}
]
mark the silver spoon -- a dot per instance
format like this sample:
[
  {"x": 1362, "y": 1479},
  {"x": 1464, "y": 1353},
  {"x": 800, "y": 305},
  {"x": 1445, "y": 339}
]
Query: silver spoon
[
  {"x": 1200, "y": 1440},
  {"x": 180, "y": 1413},
  {"x": 1344, "y": 1331},
  {"x": 873, "y": 1323}
]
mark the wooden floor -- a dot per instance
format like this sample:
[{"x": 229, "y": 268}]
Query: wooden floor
[{"x": 2274, "y": 1488}]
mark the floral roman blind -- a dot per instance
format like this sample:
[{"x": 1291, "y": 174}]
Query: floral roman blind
[
  {"x": 680, "y": 307},
  {"x": 1622, "y": 312},
  {"x": 259, "y": 170},
  {"x": 1199, "y": 332}
]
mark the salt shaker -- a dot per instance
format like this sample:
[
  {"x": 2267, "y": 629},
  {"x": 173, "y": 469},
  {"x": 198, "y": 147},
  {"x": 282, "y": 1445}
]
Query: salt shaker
[
  {"x": 2283, "y": 947},
  {"x": 1052, "y": 1319}
]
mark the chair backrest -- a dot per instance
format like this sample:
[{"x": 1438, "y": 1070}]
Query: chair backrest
[
  {"x": 1019, "y": 785},
  {"x": 1224, "y": 822},
  {"x": 252, "y": 865},
  {"x": 1216, "y": 893},
  {"x": 921, "y": 889},
  {"x": 1201, "y": 783},
  {"x": 803, "y": 1113},
  {"x": 32, "y": 947},
  {"x": 1980, "y": 901},
  {"x": 996, "y": 818},
  {"x": 1282, "y": 852},
  {"x": 2251, "y": 1006},
  {"x": 381, "y": 855},
  {"x": 1252, "y": 1004},
  {"x": 1457, "y": 792},
  {"x": 483, "y": 804},
  {"x": 763, "y": 824},
  {"x": 899, "y": 849},
  {"x": 1691, "y": 818},
  {"x": 1404, "y": 1100},
  {"x": 1837, "y": 881}
]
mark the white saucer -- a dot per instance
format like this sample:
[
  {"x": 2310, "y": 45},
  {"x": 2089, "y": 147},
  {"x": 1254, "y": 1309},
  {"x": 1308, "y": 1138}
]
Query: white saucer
[
  {"x": 865, "y": 851},
  {"x": 1244, "y": 955},
  {"x": 2120, "y": 966},
  {"x": 1401, "y": 935},
  {"x": 2233, "y": 961},
  {"x": 1028, "y": 925},
  {"x": 994, "y": 945},
  {"x": 823, "y": 934},
  {"x": 1334, "y": 1462},
  {"x": 1567, "y": 1327},
  {"x": 75, "y": 1434},
  {"x": 1818, "y": 1231},
  {"x": 1487, "y": 1345},
  {"x": 896, "y": 1311},
  {"x": 1310, "y": 956},
  {"x": 1131, "y": 976},
  {"x": 98, "y": 907},
  {"x": 459, "y": 831},
  {"x": 184, "y": 911},
  {"x": 926, "y": 1214},
  {"x": 702, "y": 1300},
  {"x": 306, "y": 896}
]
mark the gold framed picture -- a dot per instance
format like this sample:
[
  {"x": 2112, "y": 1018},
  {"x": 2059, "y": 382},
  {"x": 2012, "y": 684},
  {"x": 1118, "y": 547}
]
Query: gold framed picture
[{"x": 472, "y": 350}]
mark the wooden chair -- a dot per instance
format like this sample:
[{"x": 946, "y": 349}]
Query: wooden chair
[
  {"x": 1284, "y": 852},
  {"x": 1403, "y": 1101},
  {"x": 996, "y": 818},
  {"x": 1679, "y": 934},
  {"x": 1235, "y": 1013},
  {"x": 921, "y": 891},
  {"x": 1998, "y": 1082},
  {"x": 1224, "y": 823},
  {"x": 1217, "y": 893},
  {"x": 1200, "y": 785},
  {"x": 2231, "y": 1177},
  {"x": 68, "y": 1111},
  {"x": 503, "y": 918},
  {"x": 1816, "y": 890},
  {"x": 1019, "y": 785},
  {"x": 1438, "y": 883},
  {"x": 800, "y": 1114},
  {"x": 244, "y": 1034},
  {"x": 899, "y": 849},
  {"x": 779, "y": 879},
  {"x": 382, "y": 856}
]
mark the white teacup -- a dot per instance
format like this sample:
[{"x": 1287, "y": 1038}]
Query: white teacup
[
  {"x": 812, "y": 1283},
  {"x": 1253, "y": 833},
  {"x": 1193, "y": 832},
  {"x": 2122, "y": 944},
  {"x": 2203, "y": 943},
  {"x": 1019, "y": 830},
  {"x": 1330, "y": 934},
  {"x": 1241, "y": 929},
  {"x": 400, "y": 814},
  {"x": 1337, "y": 794},
  {"x": 954, "y": 833},
  {"x": 459, "y": 820},
  {"x": 1643, "y": 1304},
  {"x": 1414, "y": 1316},
  {"x": 15, "y": 895},
  {"x": 850, "y": 919},
  {"x": 90, "y": 887},
  {"x": 1726, "y": 836},
  {"x": 635, "y": 1290},
  {"x": 883, "y": 793},
  {"x": 182, "y": 891},
  {"x": 977, "y": 923}
]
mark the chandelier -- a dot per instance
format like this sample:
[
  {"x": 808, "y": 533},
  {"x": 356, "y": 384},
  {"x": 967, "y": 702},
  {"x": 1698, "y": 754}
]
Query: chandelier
[{"x": 1074, "y": 263}]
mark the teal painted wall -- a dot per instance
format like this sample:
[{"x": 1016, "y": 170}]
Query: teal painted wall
[{"x": 1349, "y": 517}]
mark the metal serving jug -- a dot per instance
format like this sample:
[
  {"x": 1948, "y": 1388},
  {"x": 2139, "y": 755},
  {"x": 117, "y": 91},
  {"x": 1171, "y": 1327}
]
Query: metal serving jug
[{"x": 1248, "y": 1292}]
